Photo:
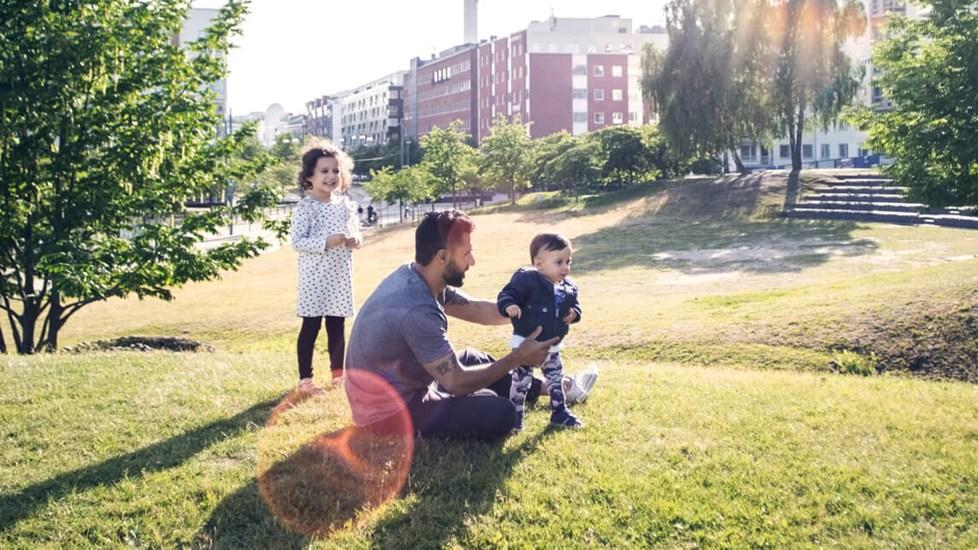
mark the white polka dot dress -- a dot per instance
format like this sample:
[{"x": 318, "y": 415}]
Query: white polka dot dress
[{"x": 325, "y": 275}]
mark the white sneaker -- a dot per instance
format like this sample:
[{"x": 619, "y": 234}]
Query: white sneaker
[{"x": 576, "y": 389}]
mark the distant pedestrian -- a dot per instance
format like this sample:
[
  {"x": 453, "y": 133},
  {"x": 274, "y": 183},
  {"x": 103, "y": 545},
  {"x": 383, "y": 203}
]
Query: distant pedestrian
[
  {"x": 325, "y": 230},
  {"x": 371, "y": 215}
]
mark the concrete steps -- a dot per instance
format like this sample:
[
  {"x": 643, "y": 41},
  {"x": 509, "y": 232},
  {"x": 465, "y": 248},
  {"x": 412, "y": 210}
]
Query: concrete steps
[
  {"x": 870, "y": 206},
  {"x": 872, "y": 197}
]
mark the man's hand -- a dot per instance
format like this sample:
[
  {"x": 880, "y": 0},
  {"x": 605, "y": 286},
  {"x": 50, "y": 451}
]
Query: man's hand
[
  {"x": 514, "y": 311},
  {"x": 570, "y": 317},
  {"x": 532, "y": 352},
  {"x": 353, "y": 242}
]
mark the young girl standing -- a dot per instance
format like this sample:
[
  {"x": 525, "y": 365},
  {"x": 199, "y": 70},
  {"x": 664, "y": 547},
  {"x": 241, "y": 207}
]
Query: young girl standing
[{"x": 324, "y": 232}]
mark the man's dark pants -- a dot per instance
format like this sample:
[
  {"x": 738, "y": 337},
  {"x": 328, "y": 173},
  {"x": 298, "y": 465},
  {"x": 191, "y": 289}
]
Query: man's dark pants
[{"x": 481, "y": 415}]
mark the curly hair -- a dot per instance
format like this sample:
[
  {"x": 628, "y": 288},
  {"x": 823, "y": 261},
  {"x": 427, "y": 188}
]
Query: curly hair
[{"x": 325, "y": 149}]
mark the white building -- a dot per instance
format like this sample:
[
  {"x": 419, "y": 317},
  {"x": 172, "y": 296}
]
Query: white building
[
  {"x": 371, "y": 114},
  {"x": 193, "y": 28}
]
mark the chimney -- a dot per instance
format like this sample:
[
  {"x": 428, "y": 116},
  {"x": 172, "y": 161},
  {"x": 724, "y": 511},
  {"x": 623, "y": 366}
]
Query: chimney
[{"x": 471, "y": 21}]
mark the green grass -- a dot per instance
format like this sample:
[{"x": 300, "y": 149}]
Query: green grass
[{"x": 718, "y": 420}]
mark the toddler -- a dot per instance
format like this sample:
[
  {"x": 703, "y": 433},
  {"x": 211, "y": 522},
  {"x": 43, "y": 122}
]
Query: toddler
[{"x": 542, "y": 296}]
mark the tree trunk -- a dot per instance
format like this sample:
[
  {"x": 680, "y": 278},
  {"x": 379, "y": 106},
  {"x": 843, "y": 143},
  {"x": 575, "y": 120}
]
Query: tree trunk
[
  {"x": 54, "y": 322},
  {"x": 3, "y": 343},
  {"x": 797, "y": 134},
  {"x": 739, "y": 163},
  {"x": 28, "y": 320}
]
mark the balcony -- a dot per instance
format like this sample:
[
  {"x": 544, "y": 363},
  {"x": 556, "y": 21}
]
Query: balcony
[{"x": 885, "y": 8}]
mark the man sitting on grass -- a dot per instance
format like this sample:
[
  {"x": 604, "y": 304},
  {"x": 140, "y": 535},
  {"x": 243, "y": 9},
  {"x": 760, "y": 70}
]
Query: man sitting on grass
[{"x": 401, "y": 336}]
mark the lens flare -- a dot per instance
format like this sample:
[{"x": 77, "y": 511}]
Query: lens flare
[{"x": 335, "y": 478}]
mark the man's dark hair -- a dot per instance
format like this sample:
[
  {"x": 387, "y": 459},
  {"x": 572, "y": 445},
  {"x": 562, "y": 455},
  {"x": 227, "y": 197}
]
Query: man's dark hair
[
  {"x": 547, "y": 241},
  {"x": 436, "y": 231}
]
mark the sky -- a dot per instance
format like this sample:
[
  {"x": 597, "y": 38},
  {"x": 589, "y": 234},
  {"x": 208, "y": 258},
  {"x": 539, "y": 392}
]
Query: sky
[{"x": 293, "y": 51}]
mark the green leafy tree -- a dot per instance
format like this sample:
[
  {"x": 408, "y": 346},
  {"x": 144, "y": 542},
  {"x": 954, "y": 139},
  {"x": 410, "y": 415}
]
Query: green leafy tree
[
  {"x": 446, "y": 156},
  {"x": 406, "y": 186},
  {"x": 579, "y": 167},
  {"x": 710, "y": 88},
  {"x": 624, "y": 155},
  {"x": 106, "y": 129},
  {"x": 661, "y": 158},
  {"x": 505, "y": 157},
  {"x": 545, "y": 150},
  {"x": 929, "y": 70},
  {"x": 286, "y": 149},
  {"x": 813, "y": 77}
]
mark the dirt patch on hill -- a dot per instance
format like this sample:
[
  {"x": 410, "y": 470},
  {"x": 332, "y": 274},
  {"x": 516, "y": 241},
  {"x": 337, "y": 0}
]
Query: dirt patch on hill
[
  {"x": 937, "y": 339},
  {"x": 142, "y": 343}
]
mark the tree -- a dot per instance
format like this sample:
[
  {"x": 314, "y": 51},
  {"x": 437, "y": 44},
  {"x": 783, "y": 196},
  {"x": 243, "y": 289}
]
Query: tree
[
  {"x": 710, "y": 88},
  {"x": 812, "y": 75},
  {"x": 545, "y": 150},
  {"x": 446, "y": 153},
  {"x": 106, "y": 129},
  {"x": 579, "y": 167},
  {"x": 286, "y": 149},
  {"x": 660, "y": 157},
  {"x": 929, "y": 70},
  {"x": 505, "y": 157},
  {"x": 624, "y": 154},
  {"x": 408, "y": 185}
]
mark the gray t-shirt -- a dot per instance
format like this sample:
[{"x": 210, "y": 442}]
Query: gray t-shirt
[{"x": 398, "y": 329}]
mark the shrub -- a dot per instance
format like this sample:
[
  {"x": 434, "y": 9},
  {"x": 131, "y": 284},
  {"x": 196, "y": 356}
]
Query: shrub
[{"x": 849, "y": 362}]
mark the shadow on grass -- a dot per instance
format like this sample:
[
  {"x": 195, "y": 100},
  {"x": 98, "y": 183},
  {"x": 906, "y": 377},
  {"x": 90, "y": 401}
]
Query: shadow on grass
[
  {"x": 241, "y": 520},
  {"x": 159, "y": 456},
  {"x": 718, "y": 246},
  {"x": 342, "y": 478},
  {"x": 451, "y": 482},
  {"x": 717, "y": 226}
]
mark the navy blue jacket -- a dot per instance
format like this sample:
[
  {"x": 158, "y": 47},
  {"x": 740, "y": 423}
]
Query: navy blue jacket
[{"x": 534, "y": 293}]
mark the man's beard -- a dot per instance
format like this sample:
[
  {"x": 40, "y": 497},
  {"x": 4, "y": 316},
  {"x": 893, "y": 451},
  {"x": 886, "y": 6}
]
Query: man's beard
[{"x": 453, "y": 275}]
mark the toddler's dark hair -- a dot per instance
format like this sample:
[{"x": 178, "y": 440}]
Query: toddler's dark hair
[{"x": 547, "y": 241}]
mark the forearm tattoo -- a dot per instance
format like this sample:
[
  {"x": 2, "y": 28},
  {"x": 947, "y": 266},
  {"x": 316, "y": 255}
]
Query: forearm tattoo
[{"x": 448, "y": 365}]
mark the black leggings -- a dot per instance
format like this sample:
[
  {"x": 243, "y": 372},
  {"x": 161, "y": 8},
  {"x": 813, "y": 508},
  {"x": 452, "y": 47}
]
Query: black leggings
[{"x": 336, "y": 344}]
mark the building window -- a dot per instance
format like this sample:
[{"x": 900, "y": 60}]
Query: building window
[
  {"x": 632, "y": 116},
  {"x": 784, "y": 152},
  {"x": 599, "y": 70},
  {"x": 826, "y": 151},
  {"x": 616, "y": 95},
  {"x": 599, "y": 94},
  {"x": 579, "y": 69},
  {"x": 616, "y": 70},
  {"x": 745, "y": 152},
  {"x": 599, "y": 118},
  {"x": 580, "y": 117},
  {"x": 807, "y": 150},
  {"x": 844, "y": 150},
  {"x": 616, "y": 118},
  {"x": 579, "y": 93}
]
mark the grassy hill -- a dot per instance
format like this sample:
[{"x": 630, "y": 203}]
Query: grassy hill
[{"x": 718, "y": 419}]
